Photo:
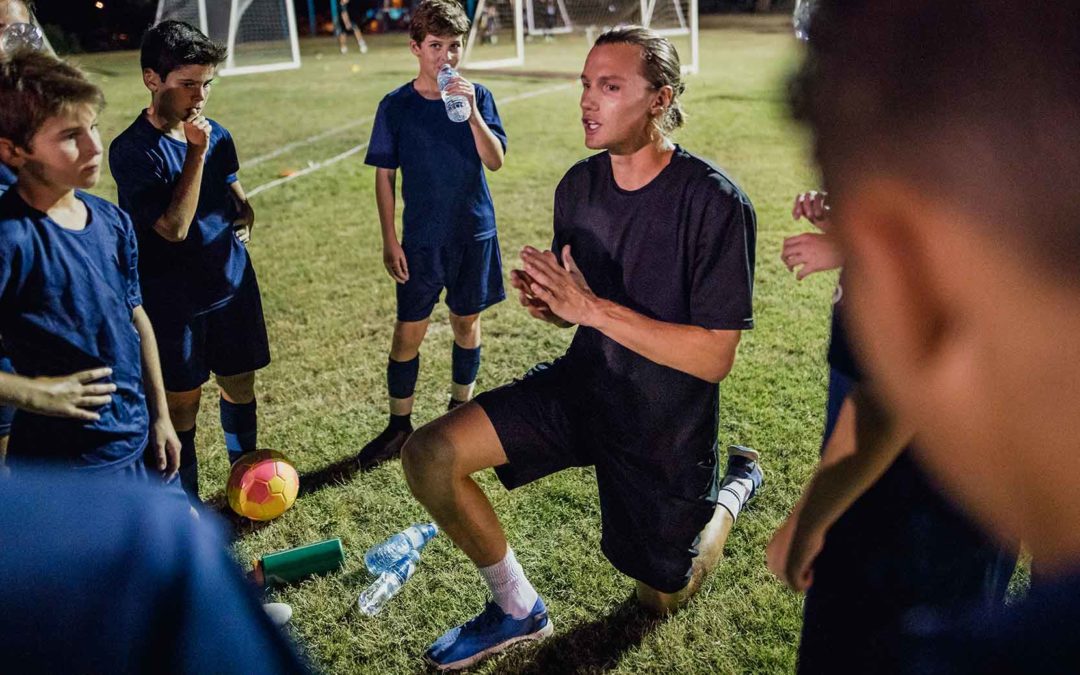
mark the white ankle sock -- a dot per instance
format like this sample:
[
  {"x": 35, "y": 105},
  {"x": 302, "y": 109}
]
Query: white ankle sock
[
  {"x": 734, "y": 493},
  {"x": 512, "y": 591}
]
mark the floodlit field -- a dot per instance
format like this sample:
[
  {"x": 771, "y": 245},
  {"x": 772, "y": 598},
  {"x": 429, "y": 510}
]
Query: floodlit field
[{"x": 330, "y": 308}]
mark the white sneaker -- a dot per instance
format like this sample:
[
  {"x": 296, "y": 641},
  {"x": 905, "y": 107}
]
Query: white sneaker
[
  {"x": 363, "y": 47},
  {"x": 279, "y": 613}
]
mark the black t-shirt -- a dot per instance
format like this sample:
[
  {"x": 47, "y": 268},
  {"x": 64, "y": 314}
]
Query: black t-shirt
[{"x": 679, "y": 250}]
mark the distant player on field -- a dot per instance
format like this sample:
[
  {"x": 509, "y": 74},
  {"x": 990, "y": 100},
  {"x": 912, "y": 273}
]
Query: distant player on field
[
  {"x": 653, "y": 260},
  {"x": 449, "y": 240},
  {"x": 351, "y": 16},
  {"x": 175, "y": 172}
]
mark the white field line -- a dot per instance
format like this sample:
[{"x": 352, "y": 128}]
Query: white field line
[
  {"x": 310, "y": 139},
  {"x": 315, "y": 166}
]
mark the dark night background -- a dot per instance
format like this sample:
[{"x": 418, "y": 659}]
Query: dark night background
[{"x": 79, "y": 25}]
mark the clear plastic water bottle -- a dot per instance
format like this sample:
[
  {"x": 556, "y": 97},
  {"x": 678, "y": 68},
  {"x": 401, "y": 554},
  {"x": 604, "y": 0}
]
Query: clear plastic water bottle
[
  {"x": 21, "y": 36},
  {"x": 376, "y": 596},
  {"x": 457, "y": 106},
  {"x": 804, "y": 13},
  {"x": 381, "y": 557}
]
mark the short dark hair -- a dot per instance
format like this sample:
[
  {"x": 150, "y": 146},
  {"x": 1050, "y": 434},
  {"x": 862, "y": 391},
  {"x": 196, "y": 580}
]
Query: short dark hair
[
  {"x": 660, "y": 65},
  {"x": 174, "y": 44},
  {"x": 36, "y": 86},
  {"x": 445, "y": 18},
  {"x": 973, "y": 102}
]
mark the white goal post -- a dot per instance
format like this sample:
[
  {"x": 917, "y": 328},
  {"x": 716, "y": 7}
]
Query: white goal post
[
  {"x": 501, "y": 28},
  {"x": 260, "y": 35}
]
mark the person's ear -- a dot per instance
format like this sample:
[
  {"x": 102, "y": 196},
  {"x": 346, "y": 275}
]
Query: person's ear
[
  {"x": 151, "y": 80},
  {"x": 414, "y": 47},
  {"x": 10, "y": 153},
  {"x": 662, "y": 100},
  {"x": 896, "y": 305}
]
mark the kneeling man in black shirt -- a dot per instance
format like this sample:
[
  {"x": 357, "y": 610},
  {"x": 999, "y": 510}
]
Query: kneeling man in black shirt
[{"x": 653, "y": 260}]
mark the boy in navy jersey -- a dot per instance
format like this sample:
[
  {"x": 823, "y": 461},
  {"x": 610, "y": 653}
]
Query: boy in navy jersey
[
  {"x": 175, "y": 172},
  {"x": 449, "y": 221},
  {"x": 69, "y": 287},
  {"x": 947, "y": 135}
]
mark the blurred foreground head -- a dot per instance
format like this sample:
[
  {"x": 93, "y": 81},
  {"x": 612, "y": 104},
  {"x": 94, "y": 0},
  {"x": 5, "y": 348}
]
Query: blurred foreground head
[{"x": 948, "y": 134}]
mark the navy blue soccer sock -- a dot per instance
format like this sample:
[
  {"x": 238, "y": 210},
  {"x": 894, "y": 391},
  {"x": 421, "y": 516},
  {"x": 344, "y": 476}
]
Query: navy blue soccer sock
[
  {"x": 465, "y": 364},
  {"x": 401, "y": 377},
  {"x": 189, "y": 463},
  {"x": 240, "y": 424}
]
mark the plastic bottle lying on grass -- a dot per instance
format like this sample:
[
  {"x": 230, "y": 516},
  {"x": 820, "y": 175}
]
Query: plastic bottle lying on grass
[
  {"x": 376, "y": 596},
  {"x": 381, "y": 557}
]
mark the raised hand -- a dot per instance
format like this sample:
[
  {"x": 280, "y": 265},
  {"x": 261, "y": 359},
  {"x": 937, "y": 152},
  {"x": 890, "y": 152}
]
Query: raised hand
[
  {"x": 561, "y": 288},
  {"x": 197, "y": 132}
]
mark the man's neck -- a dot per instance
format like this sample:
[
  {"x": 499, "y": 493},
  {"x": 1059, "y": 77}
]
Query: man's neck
[
  {"x": 637, "y": 168},
  {"x": 59, "y": 203}
]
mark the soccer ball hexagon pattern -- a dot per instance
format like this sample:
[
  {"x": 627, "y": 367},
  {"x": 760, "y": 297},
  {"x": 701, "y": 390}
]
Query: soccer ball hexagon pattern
[{"x": 262, "y": 485}]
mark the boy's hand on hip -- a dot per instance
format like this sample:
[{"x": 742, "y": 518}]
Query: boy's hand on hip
[
  {"x": 73, "y": 396},
  {"x": 394, "y": 260}
]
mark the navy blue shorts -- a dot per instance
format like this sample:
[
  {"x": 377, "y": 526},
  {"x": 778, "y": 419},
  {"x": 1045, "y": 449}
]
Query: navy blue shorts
[
  {"x": 229, "y": 340},
  {"x": 471, "y": 273},
  {"x": 7, "y": 412},
  {"x": 651, "y": 511},
  {"x": 901, "y": 549}
]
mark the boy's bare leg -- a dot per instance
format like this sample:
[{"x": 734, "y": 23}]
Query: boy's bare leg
[
  {"x": 405, "y": 346},
  {"x": 401, "y": 376}
]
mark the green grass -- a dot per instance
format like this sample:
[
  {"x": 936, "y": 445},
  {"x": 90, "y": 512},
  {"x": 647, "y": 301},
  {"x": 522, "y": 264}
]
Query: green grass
[{"x": 330, "y": 307}]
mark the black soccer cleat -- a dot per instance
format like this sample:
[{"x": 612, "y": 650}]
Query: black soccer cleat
[{"x": 383, "y": 447}]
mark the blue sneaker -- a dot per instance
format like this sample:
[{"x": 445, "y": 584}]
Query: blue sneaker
[
  {"x": 490, "y": 632},
  {"x": 742, "y": 464}
]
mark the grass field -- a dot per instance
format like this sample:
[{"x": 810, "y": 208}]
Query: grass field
[{"x": 330, "y": 307}]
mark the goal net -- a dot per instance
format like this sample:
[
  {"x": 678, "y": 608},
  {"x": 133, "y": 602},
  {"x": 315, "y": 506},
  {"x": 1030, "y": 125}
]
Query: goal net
[
  {"x": 555, "y": 35},
  {"x": 260, "y": 35}
]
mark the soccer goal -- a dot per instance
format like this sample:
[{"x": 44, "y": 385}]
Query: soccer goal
[
  {"x": 554, "y": 34},
  {"x": 260, "y": 35}
]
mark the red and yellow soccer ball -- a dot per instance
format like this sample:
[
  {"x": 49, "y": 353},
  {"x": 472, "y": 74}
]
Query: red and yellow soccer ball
[{"x": 262, "y": 485}]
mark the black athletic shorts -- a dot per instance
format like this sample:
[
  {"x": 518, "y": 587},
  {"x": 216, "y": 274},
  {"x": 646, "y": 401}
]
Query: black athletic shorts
[{"x": 652, "y": 511}]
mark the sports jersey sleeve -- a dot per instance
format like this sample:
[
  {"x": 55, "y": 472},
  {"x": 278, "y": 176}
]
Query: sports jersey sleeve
[
  {"x": 231, "y": 161},
  {"x": 722, "y": 269},
  {"x": 129, "y": 261},
  {"x": 490, "y": 114},
  {"x": 141, "y": 183},
  {"x": 383, "y": 147},
  {"x": 13, "y": 265}
]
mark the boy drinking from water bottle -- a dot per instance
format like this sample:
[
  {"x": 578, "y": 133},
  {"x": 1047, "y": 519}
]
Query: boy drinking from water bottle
[{"x": 449, "y": 239}]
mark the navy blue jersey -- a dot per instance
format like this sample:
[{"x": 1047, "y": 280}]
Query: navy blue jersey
[
  {"x": 443, "y": 186},
  {"x": 7, "y": 178},
  {"x": 66, "y": 301},
  {"x": 114, "y": 576},
  {"x": 204, "y": 271},
  {"x": 679, "y": 250}
]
